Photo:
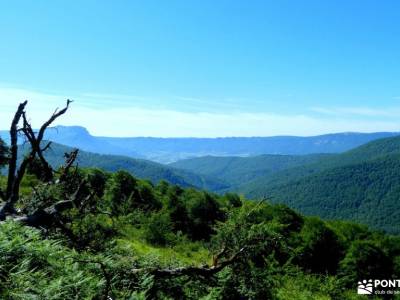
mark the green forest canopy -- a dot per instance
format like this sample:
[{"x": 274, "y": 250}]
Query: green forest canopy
[{"x": 361, "y": 185}]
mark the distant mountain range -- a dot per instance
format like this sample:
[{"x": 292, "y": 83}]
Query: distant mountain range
[{"x": 167, "y": 150}]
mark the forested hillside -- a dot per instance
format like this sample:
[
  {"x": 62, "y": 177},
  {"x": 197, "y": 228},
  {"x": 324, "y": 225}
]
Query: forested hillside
[
  {"x": 367, "y": 192},
  {"x": 252, "y": 174},
  {"x": 142, "y": 168},
  {"x": 240, "y": 170},
  {"x": 361, "y": 184}
]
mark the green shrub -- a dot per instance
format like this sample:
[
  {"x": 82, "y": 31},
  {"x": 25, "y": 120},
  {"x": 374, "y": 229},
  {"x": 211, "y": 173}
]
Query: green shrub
[
  {"x": 158, "y": 229},
  {"x": 364, "y": 260}
]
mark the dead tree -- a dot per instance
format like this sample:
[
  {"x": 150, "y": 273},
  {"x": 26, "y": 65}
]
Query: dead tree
[{"x": 17, "y": 172}]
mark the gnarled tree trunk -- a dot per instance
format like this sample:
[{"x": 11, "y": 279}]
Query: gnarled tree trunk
[{"x": 16, "y": 173}]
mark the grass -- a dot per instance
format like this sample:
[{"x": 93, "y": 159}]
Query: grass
[{"x": 182, "y": 252}]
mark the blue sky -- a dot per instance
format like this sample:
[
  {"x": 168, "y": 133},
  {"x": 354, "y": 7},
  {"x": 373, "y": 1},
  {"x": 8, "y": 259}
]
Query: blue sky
[{"x": 204, "y": 68}]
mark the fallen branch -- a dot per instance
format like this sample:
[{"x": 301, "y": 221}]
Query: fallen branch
[{"x": 202, "y": 271}]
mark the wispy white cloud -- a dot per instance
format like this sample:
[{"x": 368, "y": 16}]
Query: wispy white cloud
[
  {"x": 358, "y": 111},
  {"x": 137, "y": 120},
  {"x": 102, "y": 101}
]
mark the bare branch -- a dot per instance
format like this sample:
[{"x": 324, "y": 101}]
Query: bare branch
[
  {"x": 27, "y": 129},
  {"x": 86, "y": 200},
  {"x": 12, "y": 164},
  {"x": 46, "y": 147},
  {"x": 46, "y": 124},
  {"x": 69, "y": 160}
]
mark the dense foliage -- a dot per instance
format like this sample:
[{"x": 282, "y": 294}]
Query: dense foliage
[
  {"x": 132, "y": 240},
  {"x": 362, "y": 185},
  {"x": 367, "y": 193}
]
